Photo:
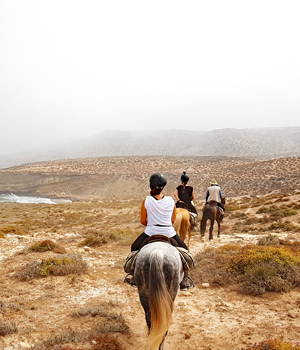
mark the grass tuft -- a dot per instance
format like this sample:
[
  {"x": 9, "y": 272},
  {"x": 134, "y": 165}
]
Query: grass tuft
[
  {"x": 46, "y": 245},
  {"x": 7, "y": 328},
  {"x": 95, "y": 239},
  {"x": 58, "y": 266}
]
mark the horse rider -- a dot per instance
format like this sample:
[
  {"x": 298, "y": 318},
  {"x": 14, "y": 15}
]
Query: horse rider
[
  {"x": 184, "y": 195},
  {"x": 214, "y": 194},
  {"x": 158, "y": 215}
]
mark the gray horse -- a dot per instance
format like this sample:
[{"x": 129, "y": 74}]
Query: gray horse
[{"x": 158, "y": 273}]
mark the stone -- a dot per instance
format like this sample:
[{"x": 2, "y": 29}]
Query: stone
[{"x": 205, "y": 285}]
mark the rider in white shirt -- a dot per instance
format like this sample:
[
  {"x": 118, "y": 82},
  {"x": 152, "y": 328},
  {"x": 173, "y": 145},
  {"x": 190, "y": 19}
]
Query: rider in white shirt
[
  {"x": 214, "y": 194},
  {"x": 158, "y": 213}
]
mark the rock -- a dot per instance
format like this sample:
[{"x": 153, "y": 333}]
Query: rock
[
  {"x": 94, "y": 342},
  {"x": 22, "y": 345},
  {"x": 293, "y": 314},
  {"x": 87, "y": 249},
  {"x": 205, "y": 285},
  {"x": 181, "y": 303}
]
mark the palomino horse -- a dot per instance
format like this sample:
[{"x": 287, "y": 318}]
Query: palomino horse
[
  {"x": 211, "y": 212},
  {"x": 158, "y": 273},
  {"x": 182, "y": 224}
]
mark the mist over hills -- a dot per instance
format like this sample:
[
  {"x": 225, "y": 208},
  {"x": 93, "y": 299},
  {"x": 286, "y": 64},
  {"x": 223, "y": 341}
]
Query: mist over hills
[{"x": 251, "y": 143}]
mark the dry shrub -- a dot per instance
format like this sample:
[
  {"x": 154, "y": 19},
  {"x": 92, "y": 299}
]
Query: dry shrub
[
  {"x": 2, "y": 235},
  {"x": 211, "y": 268},
  {"x": 275, "y": 211},
  {"x": 232, "y": 207},
  {"x": 46, "y": 245},
  {"x": 290, "y": 243},
  {"x": 58, "y": 266},
  {"x": 284, "y": 226},
  {"x": 238, "y": 215},
  {"x": 107, "y": 342},
  {"x": 91, "y": 311},
  {"x": 256, "y": 269},
  {"x": 273, "y": 345},
  {"x": 116, "y": 324},
  {"x": 269, "y": 240},
  {"x": 99, "y": 239},
  {"x": 7, "y": 328},
  {"x": 12, "y": 306},
  {"x": 11, "y": 230}
]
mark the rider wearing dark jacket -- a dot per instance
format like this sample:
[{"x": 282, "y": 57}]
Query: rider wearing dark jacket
[{"x": 185, "y": 195}]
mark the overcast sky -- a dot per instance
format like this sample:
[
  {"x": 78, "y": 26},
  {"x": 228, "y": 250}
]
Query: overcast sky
[{"x": 75, "y": 68}]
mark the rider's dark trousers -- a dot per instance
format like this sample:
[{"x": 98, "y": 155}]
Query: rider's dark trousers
[{"x": 141, "y": 238}]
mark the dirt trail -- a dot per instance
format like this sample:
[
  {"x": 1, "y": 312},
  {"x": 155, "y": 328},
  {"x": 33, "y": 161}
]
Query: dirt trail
[{"x": 204, "y": 318}]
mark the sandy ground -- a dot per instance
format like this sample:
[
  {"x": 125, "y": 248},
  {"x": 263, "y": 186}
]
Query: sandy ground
[{"x": 204, "y": 318}]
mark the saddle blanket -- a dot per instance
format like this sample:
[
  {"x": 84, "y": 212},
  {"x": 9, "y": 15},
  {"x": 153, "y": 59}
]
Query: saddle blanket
[{"x": 186, "y": 258}]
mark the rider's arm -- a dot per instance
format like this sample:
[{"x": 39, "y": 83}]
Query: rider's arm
[
  {"x": 221, "y": 194},
  {"x": 207, "y": 195},
  {"x": 143, "y": 214},
  {"x": 174, "y": 215},
  {"x": 193, "y": 195},
  {"x": 176, "y": 195}
]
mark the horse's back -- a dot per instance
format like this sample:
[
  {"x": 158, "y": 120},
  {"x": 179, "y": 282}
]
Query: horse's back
[
  {"x": 184, "y": 212},
  {"x": 171, "y": 260}
]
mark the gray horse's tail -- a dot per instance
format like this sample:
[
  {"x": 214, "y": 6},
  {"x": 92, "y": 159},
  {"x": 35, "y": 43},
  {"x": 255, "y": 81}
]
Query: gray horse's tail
[{"x": 160, "y": 302}]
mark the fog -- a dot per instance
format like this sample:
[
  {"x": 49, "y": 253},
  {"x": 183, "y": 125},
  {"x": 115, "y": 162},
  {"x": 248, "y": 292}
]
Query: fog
[{"x": 70, "y": 69}]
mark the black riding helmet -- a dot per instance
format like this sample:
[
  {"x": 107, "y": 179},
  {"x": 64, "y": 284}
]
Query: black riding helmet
[
  {"x": 184, "y": 177},
  {"x": 157, "y": 181}
]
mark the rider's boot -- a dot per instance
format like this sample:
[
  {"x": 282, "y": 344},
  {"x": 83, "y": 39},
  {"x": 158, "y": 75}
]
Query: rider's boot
[
  {"x": 187, "y": 282},
  {"x": 130, "y": 280}
]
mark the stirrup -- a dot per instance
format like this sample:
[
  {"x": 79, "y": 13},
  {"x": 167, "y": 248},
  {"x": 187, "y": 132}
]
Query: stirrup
[
  {"x": 187, "y": 283},
  {"x": 130, "y": 280}
]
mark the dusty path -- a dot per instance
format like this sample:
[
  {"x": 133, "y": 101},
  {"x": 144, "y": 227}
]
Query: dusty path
[{"x": 204, "y": 318}]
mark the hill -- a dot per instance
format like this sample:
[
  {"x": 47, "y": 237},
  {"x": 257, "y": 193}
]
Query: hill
[
  {"x": 254, "y": 143},
  {"x": 122, "y": 178}
]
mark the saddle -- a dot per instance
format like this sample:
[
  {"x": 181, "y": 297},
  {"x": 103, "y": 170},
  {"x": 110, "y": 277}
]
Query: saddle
[
  {"x": 186, "y": 257},
  {"x": 215, "y": 204}
]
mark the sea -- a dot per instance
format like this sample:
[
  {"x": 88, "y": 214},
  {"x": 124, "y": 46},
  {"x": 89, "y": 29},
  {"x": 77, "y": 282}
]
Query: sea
[{"x": 26, "y": 199}]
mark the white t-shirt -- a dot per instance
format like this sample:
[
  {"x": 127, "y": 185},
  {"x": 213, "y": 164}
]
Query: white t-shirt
[
  {"x": 214, "y": 194},
  {"x": 159, "y": 212}
]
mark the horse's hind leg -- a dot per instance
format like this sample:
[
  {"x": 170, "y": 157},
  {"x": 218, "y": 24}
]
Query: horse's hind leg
[
  {"x": 219, "y": 228},
  {"x": 211, "y": 229},
  {"x": 145, "y": 303}
]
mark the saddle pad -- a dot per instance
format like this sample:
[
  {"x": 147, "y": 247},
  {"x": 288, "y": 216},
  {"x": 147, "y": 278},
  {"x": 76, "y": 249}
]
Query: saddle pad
[
  {"x": 186, "y": 258},
  {"x": 130, "y": 261},
  {"x": 185, "y": 255},
  {"x": 194, "y": 215},
  {"x": 221, "y": 211}
]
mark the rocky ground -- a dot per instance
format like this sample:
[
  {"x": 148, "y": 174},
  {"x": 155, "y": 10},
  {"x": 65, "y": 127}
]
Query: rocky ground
[
  {"x": 55, "y": 310},
  {"x": 100, "y": 224}
]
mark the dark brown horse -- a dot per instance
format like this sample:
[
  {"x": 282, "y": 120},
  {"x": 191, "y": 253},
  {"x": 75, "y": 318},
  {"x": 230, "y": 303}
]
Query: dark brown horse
[{"x": 211, "y": 212}]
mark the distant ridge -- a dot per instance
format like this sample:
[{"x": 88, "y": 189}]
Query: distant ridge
[{"x": 251, "y": 143}]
